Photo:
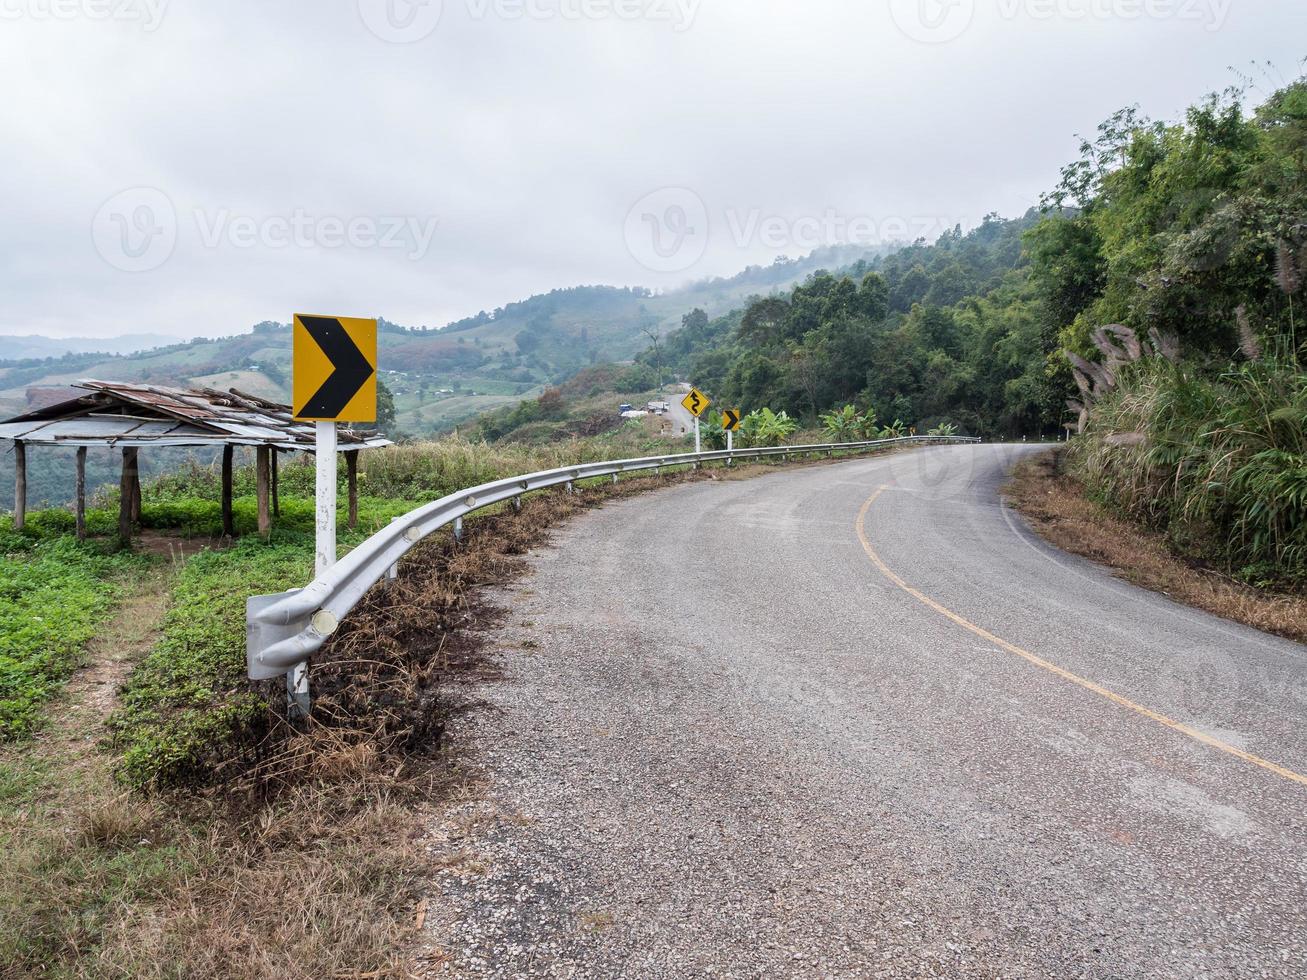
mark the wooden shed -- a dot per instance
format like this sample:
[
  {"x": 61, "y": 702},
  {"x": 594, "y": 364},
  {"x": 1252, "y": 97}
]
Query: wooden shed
[{"x": 136, "y": 416}]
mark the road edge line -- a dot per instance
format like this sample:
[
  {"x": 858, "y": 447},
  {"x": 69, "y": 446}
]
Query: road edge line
[{"x": 860, "y": 526}]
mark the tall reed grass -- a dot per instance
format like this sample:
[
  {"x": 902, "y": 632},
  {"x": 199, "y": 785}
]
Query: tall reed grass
[{"x": 1218, "y": 462}]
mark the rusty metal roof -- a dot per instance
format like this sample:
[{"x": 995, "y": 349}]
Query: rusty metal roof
[{"x": 119, "y": 414}]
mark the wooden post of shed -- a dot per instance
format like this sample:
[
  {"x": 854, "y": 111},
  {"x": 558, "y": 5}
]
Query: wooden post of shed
[
  {"x": 276, "y": 492},
  {"x": 81, "y": 493},
  {"x": 352, "y": 471},
  {"x": 20, "y": 485},
  {"x": 263, "y": 481},
  {"x": 126, "y": 491},
  {"x": 136, "y": 489},
  {"x": 228, "y": 528}
]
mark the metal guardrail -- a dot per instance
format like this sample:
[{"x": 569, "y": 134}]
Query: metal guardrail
[{"x": 284, "y": 630}]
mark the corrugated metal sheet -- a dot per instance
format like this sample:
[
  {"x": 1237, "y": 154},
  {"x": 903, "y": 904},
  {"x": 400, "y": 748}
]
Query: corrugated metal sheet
[{"x": 120, "y": 414}]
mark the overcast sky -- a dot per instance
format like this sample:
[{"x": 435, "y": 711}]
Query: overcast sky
[{"x": 193, "y": 168}]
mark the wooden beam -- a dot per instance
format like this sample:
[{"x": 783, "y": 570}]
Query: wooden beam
[
  {"x": 228, "y": 527},
  {"x": 126, "y": 490},
  {"x": 352, "y": 471},
  {"x": 276, "y": 491},
  {"x": 20, "y": 485},
  {"x": 263, "y": 481},
  {"x": 81, "y": 493}
]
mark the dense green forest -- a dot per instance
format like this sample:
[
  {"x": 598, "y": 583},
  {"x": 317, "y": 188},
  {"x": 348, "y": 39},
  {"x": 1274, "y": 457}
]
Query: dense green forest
[
  {"x": 1178, "y": 287},
  {"x": 1182, "y": 231},
  {"x": 944, "y": 332}
]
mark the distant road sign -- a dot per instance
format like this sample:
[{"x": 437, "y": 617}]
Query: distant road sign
[
  {"x": 696, "y": 402},
  {"x": 730, "y": 419},
  {"x": 334, "y": 369}
]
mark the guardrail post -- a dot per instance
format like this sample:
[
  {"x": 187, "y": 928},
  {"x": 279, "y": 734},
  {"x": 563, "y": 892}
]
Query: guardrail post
[
  {"x": 571, "y": 487},
  {"x": 517, "y": 502},
  {"x": 458, "y": 529},
  {"x": 392, "y": 573},
  {"x": 614, "y": 478}
]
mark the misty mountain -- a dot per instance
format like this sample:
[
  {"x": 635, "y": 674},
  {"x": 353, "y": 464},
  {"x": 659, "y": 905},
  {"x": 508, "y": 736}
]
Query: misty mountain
[
  {"x": 21, "y": 348},
  {"x": 438, "y": 376}
]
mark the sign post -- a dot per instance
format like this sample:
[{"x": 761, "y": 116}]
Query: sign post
[
  {"x": 324, "y": 552},
  {"x": 333, "y": 379},
  {"x": 730, "y": 422},
  {"x": 696, "y": 403}
]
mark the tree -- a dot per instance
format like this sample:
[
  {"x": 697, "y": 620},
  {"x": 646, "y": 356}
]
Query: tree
[{"x": 385, "y": 406}]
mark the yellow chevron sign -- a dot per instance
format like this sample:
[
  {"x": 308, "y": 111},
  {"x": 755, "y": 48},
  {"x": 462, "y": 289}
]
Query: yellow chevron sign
[{"x": 334, "y": 369}]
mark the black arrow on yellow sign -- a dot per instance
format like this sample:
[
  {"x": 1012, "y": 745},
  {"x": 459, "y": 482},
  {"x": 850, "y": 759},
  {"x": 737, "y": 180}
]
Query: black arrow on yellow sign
[
  {"x": 351, "y": 368},
  {"x": 730, "y": 419}
]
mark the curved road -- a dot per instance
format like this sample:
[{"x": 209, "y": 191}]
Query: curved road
[{"x": 856, "y": 720}]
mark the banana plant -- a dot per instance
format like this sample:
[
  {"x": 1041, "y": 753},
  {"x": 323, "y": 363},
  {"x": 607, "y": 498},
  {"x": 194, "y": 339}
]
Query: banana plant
[
  {"x": 767, "y": 428},
  {"x": 842, "y": 425},
  {"x": 865, "y": 428}
]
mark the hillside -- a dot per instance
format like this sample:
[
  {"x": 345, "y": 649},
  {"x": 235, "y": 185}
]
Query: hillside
[
  {"x": 34, "y": 346},
  {"x": 439, "y": 377}
]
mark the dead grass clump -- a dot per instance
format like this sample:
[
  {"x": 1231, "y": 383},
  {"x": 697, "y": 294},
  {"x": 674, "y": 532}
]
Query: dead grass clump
[
  {"x": 116, "y": 822},
  {"x": 1055, "y": 505}
]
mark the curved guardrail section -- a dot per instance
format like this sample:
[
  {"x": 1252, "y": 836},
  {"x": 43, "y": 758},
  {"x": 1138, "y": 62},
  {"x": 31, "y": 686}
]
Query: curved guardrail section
[{"x": 284, "y": 630}]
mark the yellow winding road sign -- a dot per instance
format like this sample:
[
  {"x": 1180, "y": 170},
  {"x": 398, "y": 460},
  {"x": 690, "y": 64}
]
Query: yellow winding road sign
[{"x": 696, "y": 402}]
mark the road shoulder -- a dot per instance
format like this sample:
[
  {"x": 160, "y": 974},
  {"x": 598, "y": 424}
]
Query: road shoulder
[{"x": 1056, "y": 507}]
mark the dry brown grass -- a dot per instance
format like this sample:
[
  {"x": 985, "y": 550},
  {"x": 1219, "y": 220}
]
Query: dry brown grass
[{"x": 1056, "y": 506}]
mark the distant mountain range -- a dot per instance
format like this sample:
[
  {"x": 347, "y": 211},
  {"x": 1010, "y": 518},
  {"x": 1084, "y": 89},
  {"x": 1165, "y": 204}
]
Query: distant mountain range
[
  {"x": 439, "y": 377},
  {"x": 35, "y": 346}
]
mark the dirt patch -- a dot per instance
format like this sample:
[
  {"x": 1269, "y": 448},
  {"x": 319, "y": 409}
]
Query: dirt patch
[
  {"x": 92, "y": 691},
  {"x": 1055, "y": 504}
]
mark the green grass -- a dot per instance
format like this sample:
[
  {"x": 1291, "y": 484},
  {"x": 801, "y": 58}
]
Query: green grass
[
  {"x": 187, "y": 701},
  {"x": 54, "y": 593}
]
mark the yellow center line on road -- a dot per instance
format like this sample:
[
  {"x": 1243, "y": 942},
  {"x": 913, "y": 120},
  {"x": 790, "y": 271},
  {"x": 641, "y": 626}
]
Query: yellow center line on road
[{"x": 1088, "y": 685}]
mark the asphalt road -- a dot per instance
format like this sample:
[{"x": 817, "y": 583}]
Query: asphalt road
[{"x": 805, "y": 726}]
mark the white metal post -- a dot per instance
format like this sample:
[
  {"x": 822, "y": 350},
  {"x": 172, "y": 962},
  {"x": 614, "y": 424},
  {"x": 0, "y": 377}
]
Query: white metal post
[
  {"x": 326, "y": 497},
  {"x": 297, "y": 680},
  {"x": 730, "y": 440},
  {"x": 697, "y": 447}
]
